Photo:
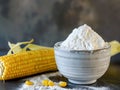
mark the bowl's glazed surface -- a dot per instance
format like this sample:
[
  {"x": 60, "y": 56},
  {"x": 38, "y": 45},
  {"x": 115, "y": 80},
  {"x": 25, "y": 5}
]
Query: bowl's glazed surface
[{"x": 82, "y": 67}]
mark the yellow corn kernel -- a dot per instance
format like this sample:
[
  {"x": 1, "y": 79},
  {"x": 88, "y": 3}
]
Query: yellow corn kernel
[
  {"x": 28, "y": 82},
  {"x": 62, "y": 84},
  {"x": 50, "y": 83},
  {"x": 27, "y": 63},
  {"x": 45, "y": 82}
]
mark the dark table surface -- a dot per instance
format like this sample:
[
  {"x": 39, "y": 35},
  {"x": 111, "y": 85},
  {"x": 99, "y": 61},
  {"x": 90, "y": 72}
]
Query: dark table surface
[{"x": 110, "y": 80}]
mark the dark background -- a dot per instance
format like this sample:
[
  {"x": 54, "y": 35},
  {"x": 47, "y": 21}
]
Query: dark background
[{"x": 49, "y": 21}]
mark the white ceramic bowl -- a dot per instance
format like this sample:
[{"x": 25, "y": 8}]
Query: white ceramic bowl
[{"x": 82, "y": 67}]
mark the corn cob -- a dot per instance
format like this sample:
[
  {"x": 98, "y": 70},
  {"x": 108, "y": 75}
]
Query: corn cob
[
  {"x": 115, "y": 47},
  {"x": 27, "y": 63}
]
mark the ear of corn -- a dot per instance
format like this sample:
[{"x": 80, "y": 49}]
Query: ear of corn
[
  {"x": 115, "y": 47},
  {"x": 27, "y": 63}
]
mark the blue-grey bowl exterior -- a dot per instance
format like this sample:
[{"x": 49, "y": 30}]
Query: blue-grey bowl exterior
[{"x": 82, "y": 66}]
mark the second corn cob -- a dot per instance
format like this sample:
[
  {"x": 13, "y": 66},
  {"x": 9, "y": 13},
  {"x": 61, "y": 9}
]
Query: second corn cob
[{"x": 27, "y": 63}]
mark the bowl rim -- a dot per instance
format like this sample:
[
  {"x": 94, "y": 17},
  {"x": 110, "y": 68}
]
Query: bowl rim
[{"x": 57, "y": 47}]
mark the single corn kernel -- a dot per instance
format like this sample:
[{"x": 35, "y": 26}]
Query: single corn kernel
[
  {"x": 28, "y": 82},
  {"x": 45, "y": 82},
  {"x": 62, "y": 84},
  {"x": 50, "y": 83}
]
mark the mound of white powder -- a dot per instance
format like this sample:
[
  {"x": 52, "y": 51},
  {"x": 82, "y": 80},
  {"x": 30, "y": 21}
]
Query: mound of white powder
[{"x": 83, "y": 38}]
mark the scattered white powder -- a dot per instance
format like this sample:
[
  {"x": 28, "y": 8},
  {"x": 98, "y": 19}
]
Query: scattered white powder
[
  {"x": 83, "y": 38},
  {"x": 37, "y": 85}
]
